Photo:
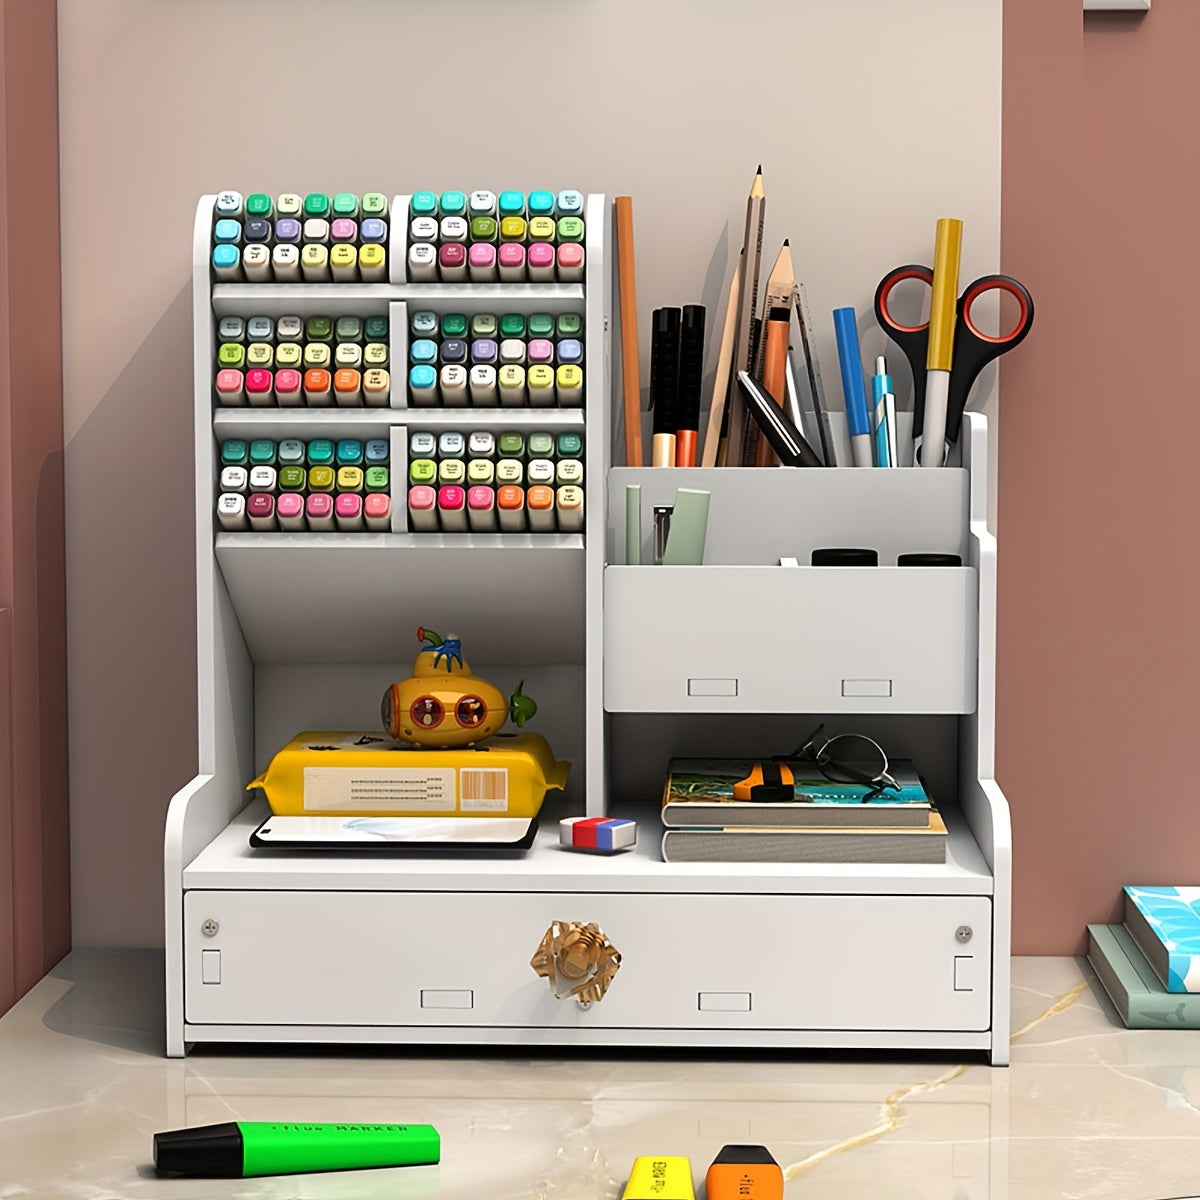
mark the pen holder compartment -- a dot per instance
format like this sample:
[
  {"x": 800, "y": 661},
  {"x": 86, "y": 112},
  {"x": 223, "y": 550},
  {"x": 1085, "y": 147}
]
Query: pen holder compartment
[{"x": 742, "y": 633}]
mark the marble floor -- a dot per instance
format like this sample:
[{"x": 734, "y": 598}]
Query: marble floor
[{"x": 1087, "y": 1109}]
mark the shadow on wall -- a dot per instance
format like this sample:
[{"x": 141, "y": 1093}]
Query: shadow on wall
[{"x": 131, "y": 633}]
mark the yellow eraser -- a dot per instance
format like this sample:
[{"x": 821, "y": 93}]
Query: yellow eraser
[{"x": 659, "y": 1177}]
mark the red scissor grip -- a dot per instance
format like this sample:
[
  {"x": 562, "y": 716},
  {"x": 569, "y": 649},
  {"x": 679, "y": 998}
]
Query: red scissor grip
[
  {"x": 998, "y": 283},
  {"x": 899, "y": 275}
]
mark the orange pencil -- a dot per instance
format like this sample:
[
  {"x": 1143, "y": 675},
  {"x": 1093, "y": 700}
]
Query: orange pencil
[
  {"x": 781, "y": 284},
  {"x": 630, "y": 373}
]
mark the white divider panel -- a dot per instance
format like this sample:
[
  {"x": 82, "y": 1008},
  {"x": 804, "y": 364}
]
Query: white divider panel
[
  {"x": 398, "y": 352},
  {"x": 790, "y": 639}
]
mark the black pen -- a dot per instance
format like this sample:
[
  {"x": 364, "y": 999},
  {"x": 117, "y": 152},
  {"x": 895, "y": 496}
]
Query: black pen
[{"x": 786, "y": 440}]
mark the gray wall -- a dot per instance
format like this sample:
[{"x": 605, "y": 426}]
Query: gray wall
[{"x": 871, "y": 118}]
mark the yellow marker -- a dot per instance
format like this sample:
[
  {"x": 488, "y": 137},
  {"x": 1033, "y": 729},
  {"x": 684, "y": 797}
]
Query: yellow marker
[
  {"x": 540, "y": 381},
  {"x": 512, "y": 229},
  {"x": 375, "y": 354},
  {"x": 316, "y": 354},
  {"x": 320, "y": 479},
  {"x": 660, "y": 1178},
  {"x": 350, "y": 479},
  {"x": 260, "y": 354},
  {"x": 511, "y": 379},
  {"x": 541, "y": 229},
  {"x": 289, "y": 354},
  {"x": 946, "y": 254},
  {"x": 314, "y": 262},
  {"x": 570, "y": 385},
  {"x": 343, "y": 262},
  {"x": 372, "y": 263}
]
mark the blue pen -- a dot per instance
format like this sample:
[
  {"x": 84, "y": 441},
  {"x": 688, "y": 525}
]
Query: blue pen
[
  {"x": 858, "y": 420},
  {"x": 881, "y": 389}
]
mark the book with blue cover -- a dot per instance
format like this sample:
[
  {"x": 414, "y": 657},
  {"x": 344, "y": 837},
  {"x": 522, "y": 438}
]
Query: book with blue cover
[
  {"x": 700, "y": 792},
  {"x": 1165, "y": 923}
]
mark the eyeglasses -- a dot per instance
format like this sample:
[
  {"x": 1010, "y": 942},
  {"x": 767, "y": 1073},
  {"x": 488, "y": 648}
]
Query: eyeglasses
[{"x": 848, "y": 758}]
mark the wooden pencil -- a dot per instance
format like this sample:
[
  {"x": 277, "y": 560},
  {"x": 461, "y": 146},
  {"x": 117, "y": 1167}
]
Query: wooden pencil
[
  {"x": 743, "y": 349},
  {"x": 781, "y": 286},
  {"x": 630, "y": 371},
  {"x": 722, "y": 380}
]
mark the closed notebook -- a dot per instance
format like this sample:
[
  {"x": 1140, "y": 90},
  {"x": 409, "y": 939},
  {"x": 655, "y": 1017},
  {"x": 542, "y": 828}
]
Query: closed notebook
[
  {"x": 1136, "y": 992},
  {"x": 699, "y": 791},
  {"x": 774, "y": 845},
  {"x": 1165, "y": 923}
]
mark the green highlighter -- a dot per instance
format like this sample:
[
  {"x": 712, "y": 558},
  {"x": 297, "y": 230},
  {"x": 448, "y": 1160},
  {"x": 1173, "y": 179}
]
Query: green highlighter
[
  {"x": 239, "y": 1149},
  {"x": 541, "y": 325}
]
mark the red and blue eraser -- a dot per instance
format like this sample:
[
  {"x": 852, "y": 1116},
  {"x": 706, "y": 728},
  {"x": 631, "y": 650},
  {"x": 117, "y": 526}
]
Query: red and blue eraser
[{"x": 604, "y": 834}]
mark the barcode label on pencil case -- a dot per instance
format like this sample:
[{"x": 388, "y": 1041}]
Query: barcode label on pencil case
[
  {"x": 483, "y": 789},
  {"x": 379, "y": 789}
]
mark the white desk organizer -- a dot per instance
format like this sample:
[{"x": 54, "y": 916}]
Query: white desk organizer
[{"x": 436, "y": 951}]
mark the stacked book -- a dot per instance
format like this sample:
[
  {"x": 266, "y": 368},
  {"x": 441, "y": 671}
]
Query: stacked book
[
  {"x": 1150, "y": 964},
  {"x": 810, "y": 819}
]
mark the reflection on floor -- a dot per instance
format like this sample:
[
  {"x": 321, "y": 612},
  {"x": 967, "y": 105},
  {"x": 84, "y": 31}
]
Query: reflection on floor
[{"x": 1087, "y": 1109}]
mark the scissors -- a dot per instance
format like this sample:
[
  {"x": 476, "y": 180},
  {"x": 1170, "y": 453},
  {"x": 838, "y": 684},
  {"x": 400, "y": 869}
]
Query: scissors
[{"x": 973, "y": 349}]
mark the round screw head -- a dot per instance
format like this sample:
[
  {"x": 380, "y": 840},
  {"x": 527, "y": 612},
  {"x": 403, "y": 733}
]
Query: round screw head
[
  {"x": 210, "y": 928},
  {"x": 964, "y": 933}
]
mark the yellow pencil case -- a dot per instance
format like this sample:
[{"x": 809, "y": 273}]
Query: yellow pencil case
[{"x": 370, "y": 775}]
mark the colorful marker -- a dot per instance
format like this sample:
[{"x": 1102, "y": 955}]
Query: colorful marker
[
  {"x": 568, "y": 383},
  {"x": 510, "y": 507},
  {"x": 452, "y": 262},
  {"x": 482, "y": 386},
  {"x": 318, "y": 387},
  {"x": 453, "y": 229},
  {"x": 377, "y": 512},
  {"x": 481, "y": 508},
  {"x": 263, "y": 479},
  {"x": 372, "y": 263},
  {"x": 289, "y": 204},
  {"x": 654, "y": 1177},
  {"x": 230, "y": 386},
  {"x": 541, "y": 262},
  {"x": 452, "y": 381},
  {"x": 539, "y": 382},
  {"x": 452, "y": 508},
  {"x": 289, "y": 512},
  {"x": 482, "y": 204},
  {"x": 227, "y": 263},
  {"x": 318, "y": 511},
  {"x": 260, "y": 509},
  {"x": 292, "y": 478},
  {"x": 285, "y": 264},
  {"x": 314, "y": 263},
  {"x": 570, "y": 262},
  {"x": 260, "y": 387},
  {"x": 288, "y": 231},
  {"x": 511, "y": 204},
  {"x": 744, "y": 1173},
  {"x": 539, "y": 505},
  {"x": 569, "y": 204},
  {"x": 235, "y": 479},
  {"x": 481, "y": 262},
  {"x": 422, "y": 385},
  {"x": 348, "y": 512},
  {"x": 289, "y": 387},
  {"x": 231, "y": 511},
  {"x": 376, "y": 387},
  {"x": 376, "y": 452},
  {"x": 422, "y": 508},
  {"x": 511, "y": 382},
  {"x": 422, "y": 444},
  {"x": 510, "y": 260},
  {"x": 510, "y": 470},
  {"x": 343, "y": 262},
  {"x": 228, "y": 205},
  {"x": 511, "y": 445},
  {"x": 541, "y": 204},
  {"x": 422, "y": 263}
]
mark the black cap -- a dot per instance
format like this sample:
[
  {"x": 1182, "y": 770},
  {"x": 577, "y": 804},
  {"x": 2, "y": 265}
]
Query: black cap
[
  {"x": 844, "y": 556},
  {"x": 744, "y": 1154},
  {"x": 929, "y": 560},
  {"x": 213, "y": 1150}
]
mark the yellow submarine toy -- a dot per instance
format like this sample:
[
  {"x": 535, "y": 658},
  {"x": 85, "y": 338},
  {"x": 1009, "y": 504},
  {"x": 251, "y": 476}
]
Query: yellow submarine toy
[{"x": 442, "y": 705}]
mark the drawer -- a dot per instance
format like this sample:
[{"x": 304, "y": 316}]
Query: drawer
[
  {"x": 790, "y": 639},
  {"x": 688, "y": 961}
]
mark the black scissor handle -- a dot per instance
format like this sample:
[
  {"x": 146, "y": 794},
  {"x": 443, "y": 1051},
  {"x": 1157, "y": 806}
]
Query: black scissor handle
[{"x": 974, "y": 349}]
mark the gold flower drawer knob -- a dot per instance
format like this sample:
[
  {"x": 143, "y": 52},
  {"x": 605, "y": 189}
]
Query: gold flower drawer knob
[{"x": 577, "y": 960}]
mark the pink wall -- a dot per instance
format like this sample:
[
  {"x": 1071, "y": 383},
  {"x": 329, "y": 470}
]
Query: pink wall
[
  {"x": 34, "y": 843},
  {"x": 1099, "y": 671}
]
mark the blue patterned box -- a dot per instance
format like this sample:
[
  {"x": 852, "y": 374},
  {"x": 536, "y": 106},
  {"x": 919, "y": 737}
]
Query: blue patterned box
[{"x": 1165, "y": 923}]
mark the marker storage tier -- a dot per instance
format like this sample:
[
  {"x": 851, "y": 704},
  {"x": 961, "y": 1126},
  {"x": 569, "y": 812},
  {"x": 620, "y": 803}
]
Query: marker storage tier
[{"x": 630, "y": 664}]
